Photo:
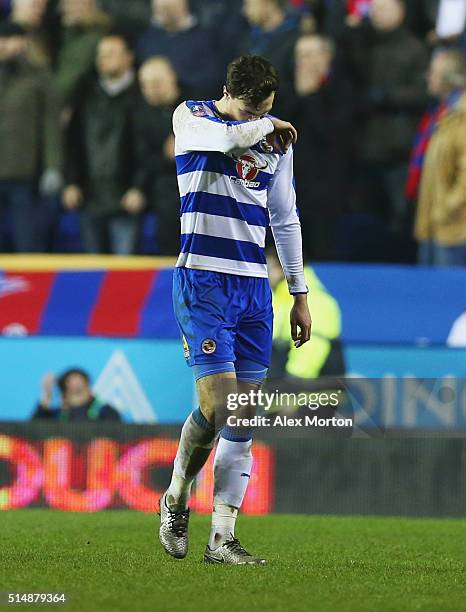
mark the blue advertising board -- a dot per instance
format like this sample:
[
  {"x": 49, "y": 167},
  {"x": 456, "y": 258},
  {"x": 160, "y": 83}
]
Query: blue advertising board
[
  {"x": 148, "y": 380},
  {"x": 379, "y": 304}
]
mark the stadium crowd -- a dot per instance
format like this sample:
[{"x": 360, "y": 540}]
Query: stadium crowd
[{"x": 88, "y": 87}]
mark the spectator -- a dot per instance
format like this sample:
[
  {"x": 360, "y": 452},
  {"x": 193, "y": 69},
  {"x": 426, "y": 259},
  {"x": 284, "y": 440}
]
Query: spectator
[
  {"x": 444, "y": 91},
  {"x": 34, "y": 17},
  {"x": 392, "y": 63},
  {"x": 29, "y": 14},
  {"x": 131, "y": 17},
  {"x": 5, "y": 8},
  {"x": 225, "y": 39},
  {"x": 77, "y": 401},
  {"x": 421, "y": 17},
  {"x": 101, "y": 168},
  {"x": 30, "y": 141},
  {"x": 176, "y": 34},
  {"x": 441, "y": 213},
  {"x": 156, "y": 149},
  {"x": 272, "y": 33},
  {"x": 321, "y": 110},
  {"x": 83, "y": 27}
]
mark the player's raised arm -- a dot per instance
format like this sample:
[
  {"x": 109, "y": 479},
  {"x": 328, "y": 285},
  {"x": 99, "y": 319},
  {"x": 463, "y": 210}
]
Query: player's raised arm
[
  {"x": 286, "y": 229},
  {"x": 205, "y": 133}
]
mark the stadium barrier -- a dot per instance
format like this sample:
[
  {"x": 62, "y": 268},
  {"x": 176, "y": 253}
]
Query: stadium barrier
[
  {"x": 95, "y": 466},
  {"x": 114, "y": 318},
  {"x": 130, "y": 297}
]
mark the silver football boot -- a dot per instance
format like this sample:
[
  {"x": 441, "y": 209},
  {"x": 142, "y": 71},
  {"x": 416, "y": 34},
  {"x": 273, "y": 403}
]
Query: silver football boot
[
  {"x": 233, "y": 553},
  {"x": 173, "y": 532}
]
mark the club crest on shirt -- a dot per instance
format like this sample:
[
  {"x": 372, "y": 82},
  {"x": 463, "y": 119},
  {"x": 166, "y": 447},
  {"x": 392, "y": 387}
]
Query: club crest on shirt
[
  {"x": 198, "y": 110},
  {"x": 209, "y": 346}
]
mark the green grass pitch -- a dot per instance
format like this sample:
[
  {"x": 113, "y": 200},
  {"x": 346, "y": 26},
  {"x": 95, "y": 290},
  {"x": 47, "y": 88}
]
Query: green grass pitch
[{"x": 112, "y": 561}]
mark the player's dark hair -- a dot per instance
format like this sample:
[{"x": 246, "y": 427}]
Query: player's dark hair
[
  {"x": 251, "y": 78},
  {"x": 63, "y": 378}
]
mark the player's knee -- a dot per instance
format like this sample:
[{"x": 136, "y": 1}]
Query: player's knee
[
  {"x": 208, "y": 411},
  {"x": 214, "y": 388}
]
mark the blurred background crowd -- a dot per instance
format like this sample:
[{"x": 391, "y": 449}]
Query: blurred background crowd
[{"x": 374, "y": 87}]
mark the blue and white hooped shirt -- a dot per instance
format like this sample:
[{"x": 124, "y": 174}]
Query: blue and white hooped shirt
[{"x": 232, "y": 187}]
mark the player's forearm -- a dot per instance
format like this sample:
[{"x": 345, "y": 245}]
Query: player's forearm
[
  {"x": 246, "y": 135},
  {"x": 205, "y": 134},
  {"x": 208, "y": 135},
  {"x": 288, "y": 241}
]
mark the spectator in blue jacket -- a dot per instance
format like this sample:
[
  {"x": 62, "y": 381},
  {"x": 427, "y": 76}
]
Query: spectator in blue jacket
[
  {"x": 176, "y": 34},
  {"x": 272, "y": 33}
]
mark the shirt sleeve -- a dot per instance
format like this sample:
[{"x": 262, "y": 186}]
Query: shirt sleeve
[
  {"x": 205, "y": 133},
  {"x": 285, "y": 224}
]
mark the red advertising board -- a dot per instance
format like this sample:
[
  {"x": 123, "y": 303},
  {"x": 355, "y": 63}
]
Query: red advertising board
[{"x": 65, "y": 474}]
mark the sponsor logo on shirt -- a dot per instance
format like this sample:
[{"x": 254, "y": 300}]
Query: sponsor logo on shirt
[{"x": 248, "y": 167}]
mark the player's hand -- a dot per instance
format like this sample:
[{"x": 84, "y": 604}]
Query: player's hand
[
  {"x": 284, "y": 136},
  {"x": 133, "y": 201},
  {"x": 72, "y": 197},
  {"x": 300, "y": 320}
]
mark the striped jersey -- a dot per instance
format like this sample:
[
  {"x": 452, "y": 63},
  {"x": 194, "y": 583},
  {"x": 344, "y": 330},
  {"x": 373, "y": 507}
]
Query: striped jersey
[{"x": 232, "y": 187}]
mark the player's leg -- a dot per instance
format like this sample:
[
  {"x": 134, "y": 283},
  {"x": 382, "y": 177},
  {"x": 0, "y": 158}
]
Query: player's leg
[
  {"x": 196, "y": 442},
  {"x": 214, "y": 383},
  {"x": 233, "y": 459},
  {"x": 202, "y": 307},
  {"x": 232, "y": 471}
]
